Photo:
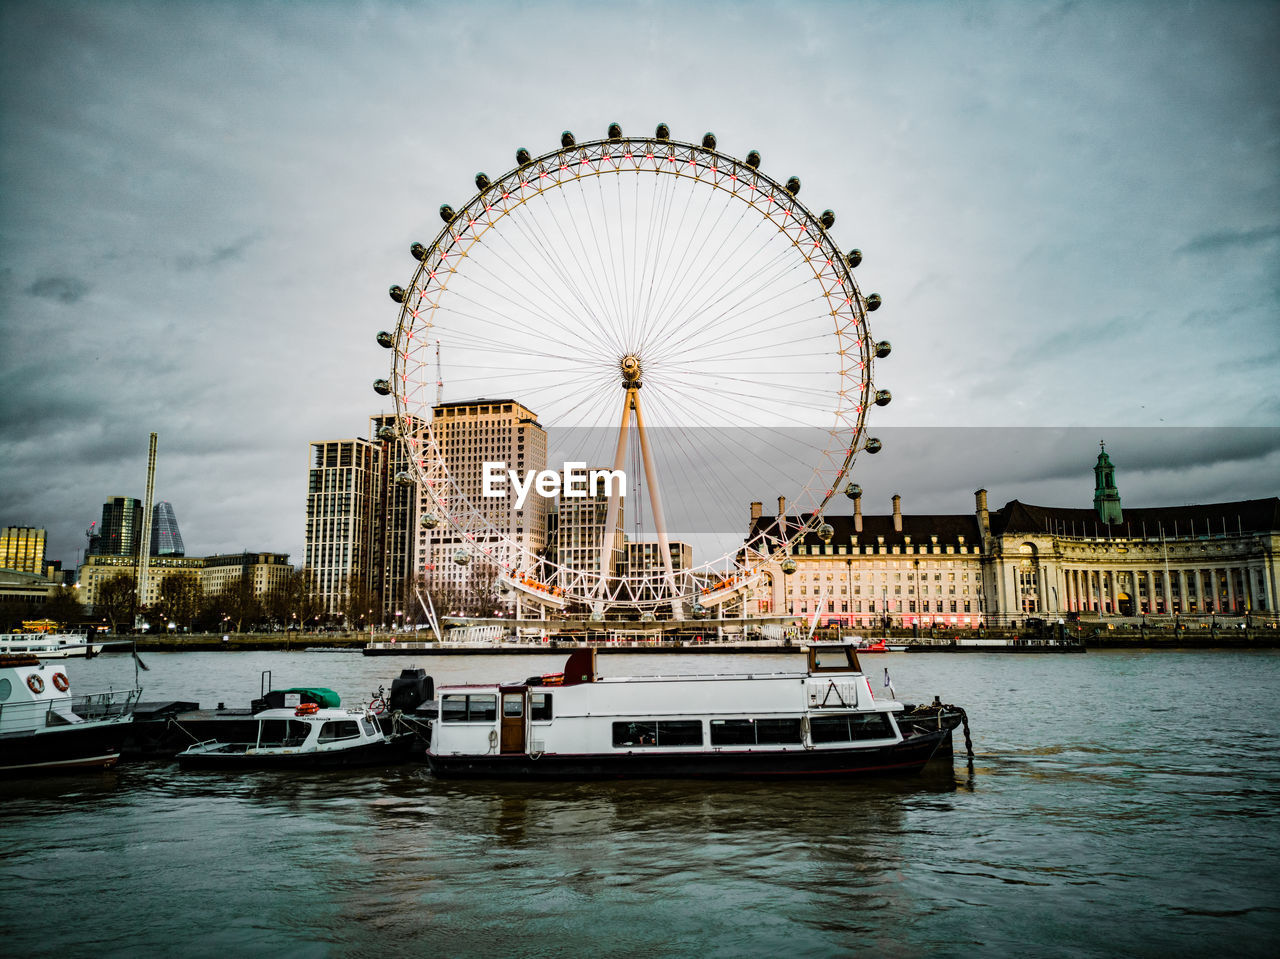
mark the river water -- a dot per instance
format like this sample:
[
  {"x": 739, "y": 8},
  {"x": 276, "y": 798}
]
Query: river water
[{"x": 1119, "y": 804}]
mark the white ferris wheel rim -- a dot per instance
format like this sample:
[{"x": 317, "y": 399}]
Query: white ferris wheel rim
[{"x": 441, "y": 264}]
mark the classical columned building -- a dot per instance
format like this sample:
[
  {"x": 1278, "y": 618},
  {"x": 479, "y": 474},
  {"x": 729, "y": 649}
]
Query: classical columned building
[{"x": 1021, "y": 560}]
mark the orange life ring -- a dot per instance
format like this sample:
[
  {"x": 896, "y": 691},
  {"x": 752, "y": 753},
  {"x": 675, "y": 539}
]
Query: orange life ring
[
  {"x": 35, "y": 684},
  {"x": 306, "y": 709},
  {"x": 60, "y": 682}
]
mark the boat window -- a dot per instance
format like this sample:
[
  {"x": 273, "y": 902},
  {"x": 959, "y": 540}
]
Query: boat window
[
  {"x": 674, "y": 732},
  {"x": 540, "y": 707},
  {"x": 339, "y": 729},
  {"x": 843, "y": 729},
  {"x": 282, "y": 732},
  {"x": 5, "y": 689},
  {"x": 513, "y": 705},
  {"x": 468, "y": 708},
  {"x": 369, "y": 728},
  {"x": 749, "y": 732}
]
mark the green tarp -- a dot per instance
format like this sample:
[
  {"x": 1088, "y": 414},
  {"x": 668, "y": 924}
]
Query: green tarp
[{"x": 325, "y": 697}]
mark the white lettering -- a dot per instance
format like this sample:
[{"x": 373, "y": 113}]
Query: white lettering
[
  {"x": 574, "y": 474},
  {"x": 601, "y": 480},
  {"x": 578, "y": 482},
  {"x": 493, "y": 472},
  {"x": 521, "y": 490}
]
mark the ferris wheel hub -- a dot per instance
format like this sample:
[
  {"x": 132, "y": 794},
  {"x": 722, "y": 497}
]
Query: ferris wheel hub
[{"x": 631, "y": 370}]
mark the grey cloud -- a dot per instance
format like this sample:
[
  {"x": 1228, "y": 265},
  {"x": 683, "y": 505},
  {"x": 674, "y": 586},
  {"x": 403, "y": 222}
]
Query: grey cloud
[
  {"x": 1225, "y": 240},
  {"x": 217, "y": 256},
  {"x": 59, "y": 288}
]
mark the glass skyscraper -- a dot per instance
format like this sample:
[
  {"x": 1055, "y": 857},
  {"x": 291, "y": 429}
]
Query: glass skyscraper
[{"x": 166, "y": 540}]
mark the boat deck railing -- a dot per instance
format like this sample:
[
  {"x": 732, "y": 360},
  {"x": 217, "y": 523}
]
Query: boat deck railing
[{"x": 67, "y": 710}]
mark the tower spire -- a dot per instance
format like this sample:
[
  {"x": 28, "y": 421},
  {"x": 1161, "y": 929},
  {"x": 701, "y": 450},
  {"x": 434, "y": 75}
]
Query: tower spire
[{"x": 1106, "y": 497}]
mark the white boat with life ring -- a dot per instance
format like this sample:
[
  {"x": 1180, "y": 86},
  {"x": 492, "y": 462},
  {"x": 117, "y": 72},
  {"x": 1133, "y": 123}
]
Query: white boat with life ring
[{"x": 45, "y": 728}]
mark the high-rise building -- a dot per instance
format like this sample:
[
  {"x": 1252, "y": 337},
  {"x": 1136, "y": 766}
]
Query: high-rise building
[
  {"x": 166, "y": 540},
  {"x": 580, "y": 533},
  {"x": 472, "y": 433},
  {"x": 120, "y": 527},
  {"x": 398, "y": 547},
  {"x": 22, "y": 549},
  {"x": 647, "y": 573},
  {"x": 343, "y": 492}
]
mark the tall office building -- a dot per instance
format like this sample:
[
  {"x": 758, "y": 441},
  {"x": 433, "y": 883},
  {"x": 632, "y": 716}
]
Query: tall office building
[
  {"x": 472, "y": 433},
  {"x": 166, "y": 540},
  {"x": 580, "y": 533},
  {"x": 398, "y": 546},
  {"x": 343, "y": 491},
  {"x": 22, "y": 549},
  {"x": 120, "y": 528}
]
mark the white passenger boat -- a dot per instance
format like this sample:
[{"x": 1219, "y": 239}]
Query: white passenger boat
[
  {"x": 48, "y": 645},
  {"x": 822, "y": 722},
  {"x": 44, "y": 728},
  {"x": 306, "y": 735}
]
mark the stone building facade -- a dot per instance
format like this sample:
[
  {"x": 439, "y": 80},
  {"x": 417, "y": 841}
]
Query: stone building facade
[{"x": 999, "y": 566}]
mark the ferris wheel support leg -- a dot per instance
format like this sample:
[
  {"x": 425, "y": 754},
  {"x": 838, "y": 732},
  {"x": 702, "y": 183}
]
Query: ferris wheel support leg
[
  {"x": 655, "y": 503},
  {"x": 611, "y": 517}
]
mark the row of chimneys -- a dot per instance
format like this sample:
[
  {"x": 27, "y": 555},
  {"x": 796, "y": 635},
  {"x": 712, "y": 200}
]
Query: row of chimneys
[{"x": 979, "y": 499}]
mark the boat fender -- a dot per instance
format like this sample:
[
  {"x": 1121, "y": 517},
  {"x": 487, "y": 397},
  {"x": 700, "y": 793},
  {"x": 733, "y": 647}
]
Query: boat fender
[
  {"x": 493, "y": 740},
  {"x": 377, "y": 707},
  {"x": 35, "y": 684},
  {"x": 60, "y": 681}
]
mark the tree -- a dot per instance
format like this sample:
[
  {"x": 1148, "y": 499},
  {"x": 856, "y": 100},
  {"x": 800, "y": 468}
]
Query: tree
[
  {"x": 360, "y": 604},
  {"x": 64, "y": 607},
  {"x": 181, "y": 598},
  {"x": 294, "y": 600},
  {"x": 237, "y": 604},
  {"x": 117, "y": 600}
]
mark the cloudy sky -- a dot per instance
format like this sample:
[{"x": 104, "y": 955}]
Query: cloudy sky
[{"x": 1072, "y": 211}]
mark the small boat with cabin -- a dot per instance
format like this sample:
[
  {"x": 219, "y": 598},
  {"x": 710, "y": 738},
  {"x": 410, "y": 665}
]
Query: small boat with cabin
[
  {"x": 823, "y": 722},
  {"x": 311, "y": 729},
  {"x": 44, "y": 728}
]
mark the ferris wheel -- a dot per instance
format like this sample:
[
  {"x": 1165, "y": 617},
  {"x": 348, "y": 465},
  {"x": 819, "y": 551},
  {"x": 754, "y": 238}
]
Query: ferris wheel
[{"x": 671, "y": 315}]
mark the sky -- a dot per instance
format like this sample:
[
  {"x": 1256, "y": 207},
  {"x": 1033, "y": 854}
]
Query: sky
[{"x": 1072, "y": 211}]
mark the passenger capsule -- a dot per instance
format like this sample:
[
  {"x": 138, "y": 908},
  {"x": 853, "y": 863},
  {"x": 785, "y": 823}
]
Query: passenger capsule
[
  {"x": 647, "y": 616},
  {"x": 853, "y": 491},
  {"x": 567, "y": 140},
  {"x": 793, "y": 186},
  {"x": 404, "y": 479},
  {"x": 597, "y": 616},
  {"x": 430, "y": 521},
  {"x": 788, "y": 566},
  {"x": 385, "y": 339},
  {"x": 446, "y": 213},
  {"x": 386, "y": 433},
  {"x": 828, "y": 219},
  {"x": 883, "y": 397},
  {"x": 397, "y": 293},
  {"x": 883, "y": 349},
  {"x": 699, "y": 610},
  {"x": 381, "y": 387},
  {"x": 482, "y": 181},
  {"x": 522, "y": 157},
  {"x": 709, "y": 141},
  {"x": 615, "y": 131},
  {"x": 826, "y": 532},
  {"x": 462, "y": 557},
  {"x": 418, "y": 252},
  {"x": 873, "y": 445},
  {"x": 853, "y": 258},
  {"x": 873, "y": 302},
  {"x": 663, "y": 132},
  {"x": 753, "y": 159}
]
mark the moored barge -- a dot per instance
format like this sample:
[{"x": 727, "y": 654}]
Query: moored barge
[{"x": 823, "y": 722}]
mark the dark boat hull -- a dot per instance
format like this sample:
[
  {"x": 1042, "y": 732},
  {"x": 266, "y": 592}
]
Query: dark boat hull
[
  {"x": 906, "y": 757},
  {"x": 65, "y": 749}
]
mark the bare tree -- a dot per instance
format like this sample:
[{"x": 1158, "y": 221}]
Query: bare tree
[
  {"x": 64, "y": 607},
  {"x": 117, "y": 600},
  {"x": 181, "y": 597}
]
